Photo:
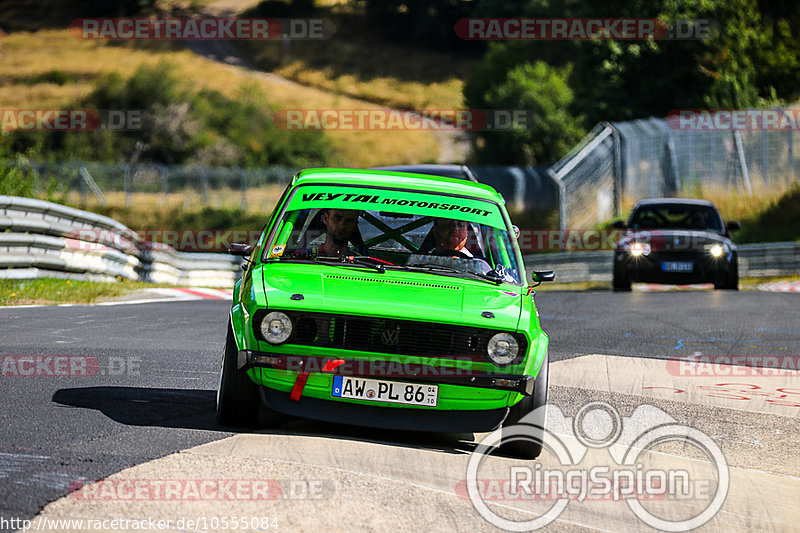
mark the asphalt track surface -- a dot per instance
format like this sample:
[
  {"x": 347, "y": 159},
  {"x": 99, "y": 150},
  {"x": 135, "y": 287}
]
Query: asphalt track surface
[{"x": 154, "y": 389}]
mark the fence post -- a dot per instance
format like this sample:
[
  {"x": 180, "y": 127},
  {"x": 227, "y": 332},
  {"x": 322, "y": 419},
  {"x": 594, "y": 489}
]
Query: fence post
[
  {"x": 204, "y": 179},
  {"x": 790, "y": 154},
  {"x": 164, "y": 185},
  {"x": 737, "y": 139},
  {"x": 562, "y": 200},
  {"x": 618, "y": 178},
  {"x": 243, "y": 180},
  {"x": 127, "y": 185}
]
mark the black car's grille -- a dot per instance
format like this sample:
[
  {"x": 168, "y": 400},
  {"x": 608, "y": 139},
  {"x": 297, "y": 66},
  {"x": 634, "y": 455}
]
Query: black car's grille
[{"x": 385, "y": 335}]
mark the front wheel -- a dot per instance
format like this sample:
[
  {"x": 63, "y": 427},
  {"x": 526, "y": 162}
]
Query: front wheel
[
  {"x": 237, "y": 395},
  {"x": 534, "y": 406},
  {"x": 621, "y": 282},
  {"x": 731, "y": 280}
]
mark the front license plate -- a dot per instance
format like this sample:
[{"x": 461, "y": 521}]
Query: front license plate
[
  {"x": 385, "y": 391},
  {"x": 677, "y": 266}
]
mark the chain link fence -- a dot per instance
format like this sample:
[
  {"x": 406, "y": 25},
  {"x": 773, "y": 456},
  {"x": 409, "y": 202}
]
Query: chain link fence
[
  {"x": 88, "y": 183},
  {"x": 92, "y": 183},
  {"x": 619, "y": 163}
]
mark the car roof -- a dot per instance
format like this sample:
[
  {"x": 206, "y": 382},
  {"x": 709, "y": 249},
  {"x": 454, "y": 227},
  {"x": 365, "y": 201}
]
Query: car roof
[
  {"x": 404, "y": 180},
  {"x": 674, "y": 201},
  {"x": 448, "y": 171}
]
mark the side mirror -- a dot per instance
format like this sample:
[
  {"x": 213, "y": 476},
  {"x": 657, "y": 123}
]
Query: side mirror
[
  {"x": 733, "y": 225},
  {"x": 543, "y": 275},
  {"x": 618, "y": 224},
  {"x": 516, "y": 231},
  {"x": 240, "y": 248}
]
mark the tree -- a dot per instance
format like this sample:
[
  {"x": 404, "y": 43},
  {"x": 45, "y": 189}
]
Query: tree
[{"x": 550, "y": 131}]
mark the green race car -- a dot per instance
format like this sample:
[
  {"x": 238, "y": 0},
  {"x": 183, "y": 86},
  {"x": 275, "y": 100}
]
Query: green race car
[{"x": 386, "y": 299}]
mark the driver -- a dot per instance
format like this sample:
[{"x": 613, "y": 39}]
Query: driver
[{"x": 340, "y": 224}]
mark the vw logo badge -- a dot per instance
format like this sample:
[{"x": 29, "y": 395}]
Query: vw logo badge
[{"x": 390, "y": 337}]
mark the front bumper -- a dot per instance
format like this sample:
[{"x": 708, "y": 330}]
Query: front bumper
[
  {"x": 648, "y": 269},
  {"x": 449, "y": 421},
  {"x": 407, "y": 372}
]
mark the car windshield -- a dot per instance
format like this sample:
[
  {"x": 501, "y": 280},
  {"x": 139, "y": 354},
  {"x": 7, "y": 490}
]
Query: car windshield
[
  {"x": 407, "y": 236},
  {"x": 677, "y": 216}
]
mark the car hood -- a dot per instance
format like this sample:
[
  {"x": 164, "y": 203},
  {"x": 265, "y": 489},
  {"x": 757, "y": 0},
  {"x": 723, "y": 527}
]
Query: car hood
[
  {"x": 393, "y": 294},
  {"x": 673, "y": 239}
]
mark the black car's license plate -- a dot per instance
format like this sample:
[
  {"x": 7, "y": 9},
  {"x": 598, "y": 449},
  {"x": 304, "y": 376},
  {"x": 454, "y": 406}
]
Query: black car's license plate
[{"x": 677, "y": 266}]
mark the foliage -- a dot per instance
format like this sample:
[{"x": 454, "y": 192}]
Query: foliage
[
  {"x": 750, "y": 59},
  {"x": 550, "y": 131},
  {"x": 179, "y": 126}
]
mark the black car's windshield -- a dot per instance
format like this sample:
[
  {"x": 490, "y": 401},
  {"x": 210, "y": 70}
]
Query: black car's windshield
[
  {"x": 393, "y": 240},
  {"x": 677, "y": 216}
]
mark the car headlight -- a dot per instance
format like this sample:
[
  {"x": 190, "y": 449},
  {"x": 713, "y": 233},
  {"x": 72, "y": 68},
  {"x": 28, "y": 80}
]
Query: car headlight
[
  {"x": 717, "y": 250},
  {"x": 502, "y": 349},
  {"x": 276, "y": 327},
  {"x": 639, "y": 248}
]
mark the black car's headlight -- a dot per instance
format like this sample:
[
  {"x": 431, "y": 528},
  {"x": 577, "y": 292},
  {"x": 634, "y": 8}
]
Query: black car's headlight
[
  {"x": 502, "y": 349},
  {"x": 638, "y": 249},
  {"x": 276, "y": 327},
  {"x": 716, "y": 250}
]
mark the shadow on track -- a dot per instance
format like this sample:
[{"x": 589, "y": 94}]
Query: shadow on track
[{"x": 194, "y": 409}]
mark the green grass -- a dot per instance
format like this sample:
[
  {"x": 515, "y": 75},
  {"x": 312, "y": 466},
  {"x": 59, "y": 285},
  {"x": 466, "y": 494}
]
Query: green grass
[
  {"x": 60, "y": 291},
  {"x": 357, "y": 61}
]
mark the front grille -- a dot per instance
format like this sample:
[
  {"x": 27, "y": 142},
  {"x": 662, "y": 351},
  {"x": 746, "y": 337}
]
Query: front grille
[{"x": 386, "y": 335}]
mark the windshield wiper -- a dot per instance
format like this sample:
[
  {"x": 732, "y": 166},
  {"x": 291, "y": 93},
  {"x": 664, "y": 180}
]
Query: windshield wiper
[
  {"x": 492, "y": 275},
  {"x": 360, "y": 260}
]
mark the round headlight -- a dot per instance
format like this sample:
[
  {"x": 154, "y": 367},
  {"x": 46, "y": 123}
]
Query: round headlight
[
  {"x": 502, "y": 349},
  {"x": 716, "y": 250},
  {"x": 640, "y": 248},
  {"x": 276, "y": 327}
]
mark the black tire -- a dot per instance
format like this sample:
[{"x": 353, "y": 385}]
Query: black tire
[
  {"x": 733, "y": 275},
  {"x": 730, "y": 281},
  {"x": 237, "y": 396},
  {"x": 620, "y": 282},
  {"x": 527, "y": 448}
]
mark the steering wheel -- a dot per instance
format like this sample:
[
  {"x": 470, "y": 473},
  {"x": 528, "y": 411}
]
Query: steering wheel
[{"x": 450, "y": 253}]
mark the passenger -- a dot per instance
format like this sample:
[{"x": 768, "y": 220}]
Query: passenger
[{"x": 451, "y": 235}]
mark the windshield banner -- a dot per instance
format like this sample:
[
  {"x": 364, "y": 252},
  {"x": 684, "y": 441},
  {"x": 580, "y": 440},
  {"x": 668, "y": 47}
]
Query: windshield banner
[{"x": 408, "y": 202}]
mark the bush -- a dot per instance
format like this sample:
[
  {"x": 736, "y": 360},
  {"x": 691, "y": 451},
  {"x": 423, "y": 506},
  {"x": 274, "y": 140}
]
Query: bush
[
  {"x": 181, "y": 127},
  {"x": 551, "y": 131}
]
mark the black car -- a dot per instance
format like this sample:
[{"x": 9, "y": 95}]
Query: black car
[
  {"x": 448, "y": 171},
  {"x": 676, "y": 241}
]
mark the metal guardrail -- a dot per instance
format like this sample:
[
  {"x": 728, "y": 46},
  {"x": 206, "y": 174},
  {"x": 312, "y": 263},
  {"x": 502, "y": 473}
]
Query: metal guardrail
[
  {"x": 43, "y": 239},
  {"x": 755, "y": 260}
]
